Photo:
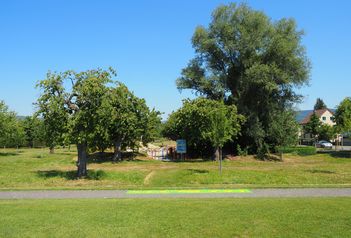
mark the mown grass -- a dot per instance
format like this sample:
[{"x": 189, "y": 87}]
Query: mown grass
[
  {"x": 37, "y": 169},
  {"x": 293, "y": 217}
]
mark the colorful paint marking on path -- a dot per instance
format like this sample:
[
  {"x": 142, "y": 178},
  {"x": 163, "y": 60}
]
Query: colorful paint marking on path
[{"x": 188, "y": 191}]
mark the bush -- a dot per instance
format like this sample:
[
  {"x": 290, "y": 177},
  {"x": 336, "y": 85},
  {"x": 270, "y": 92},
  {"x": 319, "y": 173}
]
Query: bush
[
  {"x": 303, "y": 150},
  {"x": 242, "y": 152}
]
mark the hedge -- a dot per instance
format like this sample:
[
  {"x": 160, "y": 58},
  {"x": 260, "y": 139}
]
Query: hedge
[{"x": 299, "y": 150}]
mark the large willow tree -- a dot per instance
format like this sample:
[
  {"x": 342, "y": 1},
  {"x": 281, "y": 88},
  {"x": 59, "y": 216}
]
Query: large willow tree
[{"x": 246, "y": 59}]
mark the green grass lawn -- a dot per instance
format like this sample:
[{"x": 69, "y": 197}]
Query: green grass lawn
[
  {"x": 37, "y": 169},
  {"x": 308, "y": 217}
]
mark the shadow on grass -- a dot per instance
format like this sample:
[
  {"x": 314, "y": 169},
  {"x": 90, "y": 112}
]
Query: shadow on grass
[
  {"x": 71, "y": 175},
  {"x": 8, "y": 154},
  {"x": 104, "y": 157},
  {"x": 320, "y": 171},
  {"x": 337, "y": 154},
  {"x": 270, "y": 158},
  {"x": 190, "y": 160},
  {"x": 198, "y": 171}
]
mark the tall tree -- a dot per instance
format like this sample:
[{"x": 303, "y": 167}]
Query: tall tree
[
  {"x": 319, "y": 104},
  {"x": 81, "y": 106},
  {"x": 246, "y": 59}
]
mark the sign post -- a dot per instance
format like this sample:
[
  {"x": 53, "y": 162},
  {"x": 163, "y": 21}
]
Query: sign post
[{"x": 181, "y": 147}]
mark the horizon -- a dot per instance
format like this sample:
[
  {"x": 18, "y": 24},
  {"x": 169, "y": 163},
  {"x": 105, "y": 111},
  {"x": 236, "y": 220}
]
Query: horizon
[{"x": 151, "y": 42}]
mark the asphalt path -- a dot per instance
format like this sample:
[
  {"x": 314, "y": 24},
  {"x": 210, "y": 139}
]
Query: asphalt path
[{"x": 245, "y": 193}]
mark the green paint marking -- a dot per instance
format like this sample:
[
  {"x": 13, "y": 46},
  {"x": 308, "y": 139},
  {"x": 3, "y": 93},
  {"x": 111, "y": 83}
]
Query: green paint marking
[{"x": 188, "y": 191}]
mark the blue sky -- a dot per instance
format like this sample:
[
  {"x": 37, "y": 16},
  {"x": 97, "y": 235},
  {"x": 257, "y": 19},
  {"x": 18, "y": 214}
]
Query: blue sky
[{"x": 148, "y": 42}]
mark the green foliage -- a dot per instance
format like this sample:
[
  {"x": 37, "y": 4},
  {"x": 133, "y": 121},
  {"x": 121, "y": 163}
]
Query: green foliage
[
  {"x": 51, "y": 108},
  {"x": 34, "y": 131},
  {"x": 246, "y": 59},
  {"x": 319, "y": 104},
  {"x": 302, "y": 151},
  {"x": 326, "y": 132},
  {"x": 205, "y": 124},
  {"x": 11, "y": 128},
  {"x": 284, "y": 129},
  {"x": 343, "y": 116},
  {"x": 221, "y": 128},
  {"x": 241, "y": 152},
  {"x": 131, "y": 120},
  {"x": 313, "y": 126}
]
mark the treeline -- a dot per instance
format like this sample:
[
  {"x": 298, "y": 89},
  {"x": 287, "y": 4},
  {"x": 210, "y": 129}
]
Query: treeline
[{"x": 20, "y": 131}]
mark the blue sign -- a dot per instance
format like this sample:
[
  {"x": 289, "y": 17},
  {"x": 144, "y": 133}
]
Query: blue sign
[{"x": 181, "y": 146}]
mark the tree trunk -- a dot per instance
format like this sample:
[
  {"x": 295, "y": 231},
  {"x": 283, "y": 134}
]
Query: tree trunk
[
  {"x": 52, "y": 149},
  {"x": 82, "y": 160},
  {"x": 117, "y": 150},
  {"x": 216, "y": 154}
]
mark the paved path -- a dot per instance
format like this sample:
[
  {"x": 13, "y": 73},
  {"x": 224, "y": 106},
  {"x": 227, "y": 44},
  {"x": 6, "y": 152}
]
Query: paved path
[{"x": 256, "y": 193}]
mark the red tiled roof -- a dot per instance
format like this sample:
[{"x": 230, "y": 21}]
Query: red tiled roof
[{"x": 319, "y": 113}]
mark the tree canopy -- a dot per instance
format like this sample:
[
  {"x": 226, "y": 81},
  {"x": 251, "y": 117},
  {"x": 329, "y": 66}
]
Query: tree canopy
[
  {"x": 205, "y": 124},
  {"x": 246, "y": 59}
]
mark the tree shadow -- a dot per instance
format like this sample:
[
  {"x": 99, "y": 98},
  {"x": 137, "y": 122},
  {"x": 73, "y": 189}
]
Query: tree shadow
[
  {"x": 270, "y": 158},
  {"x": 190, "y": 160},
  {"x": 8, "y": 154},
  {"x": 104, "y": 157},
  {"x": 71, "y": 174},
  {"x": 68, "y": 175},
  {"x": 320, "y": 171},
  {"x": 198, "y": 171}
]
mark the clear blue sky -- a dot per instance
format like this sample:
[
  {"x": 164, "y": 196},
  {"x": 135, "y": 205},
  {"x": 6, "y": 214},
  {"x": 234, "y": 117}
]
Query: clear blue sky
[{"x": 148, "y": 42}]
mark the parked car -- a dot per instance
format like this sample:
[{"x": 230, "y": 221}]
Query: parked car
[{"x": 324, "y": 144}]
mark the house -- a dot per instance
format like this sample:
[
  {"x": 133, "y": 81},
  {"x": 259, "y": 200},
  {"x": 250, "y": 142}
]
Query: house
[{"x": 326, "y": 116}]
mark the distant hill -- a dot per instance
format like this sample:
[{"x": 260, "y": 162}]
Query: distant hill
[{"x": 21, "y": 118}]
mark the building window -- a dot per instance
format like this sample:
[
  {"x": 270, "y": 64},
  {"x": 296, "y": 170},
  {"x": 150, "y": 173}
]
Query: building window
[
  {"x": 332, "y": 118},
  {"x": 324, "y": 118}
]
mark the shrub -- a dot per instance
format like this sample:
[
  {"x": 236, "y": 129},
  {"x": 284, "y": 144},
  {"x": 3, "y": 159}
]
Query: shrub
[
  {"x": 96, "y": 175},
  {"x": 242, "y": 152},
  {"x": 303, "y": 150}
]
